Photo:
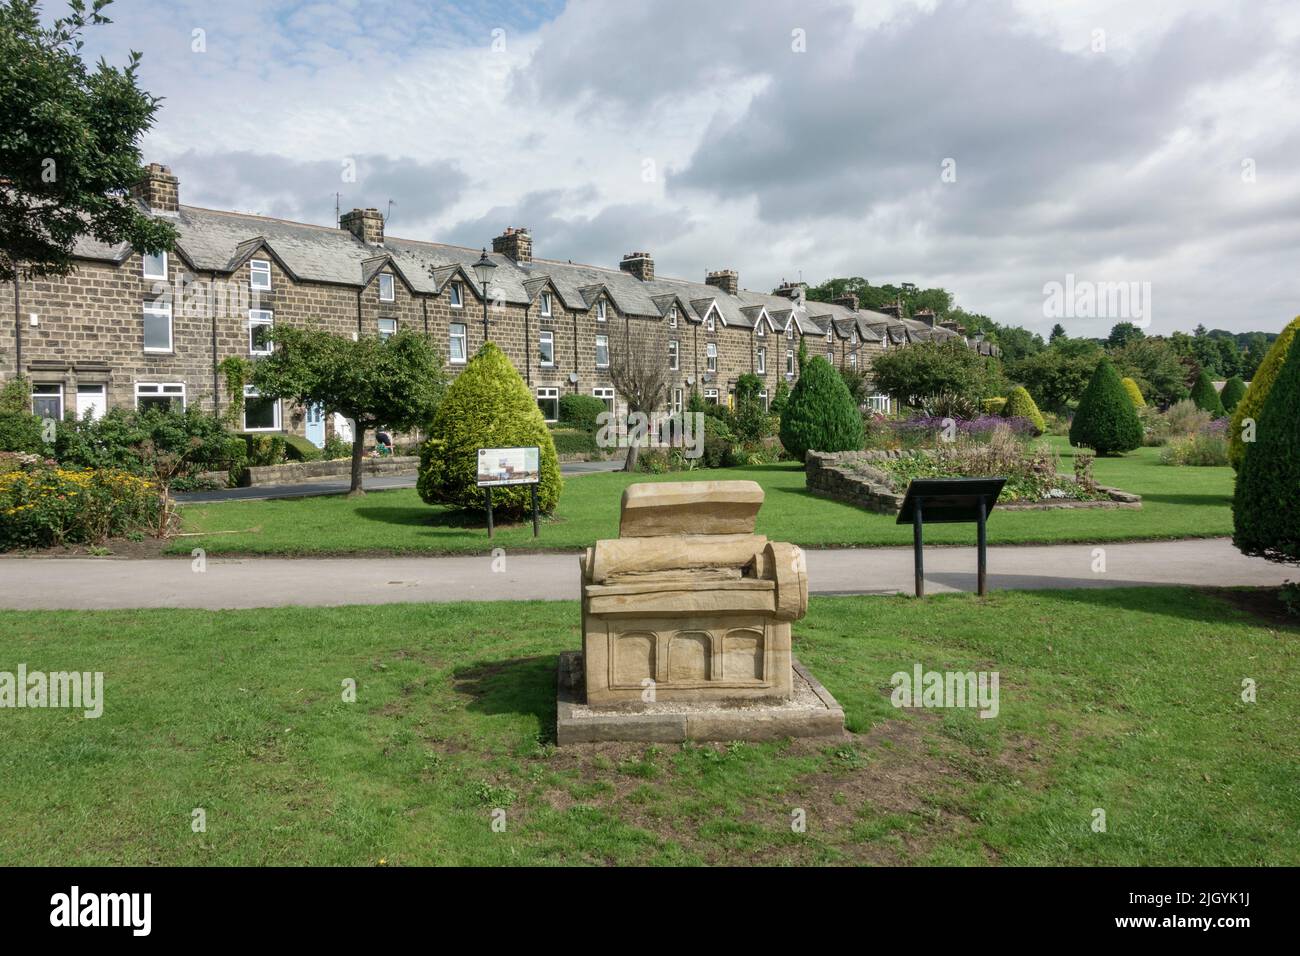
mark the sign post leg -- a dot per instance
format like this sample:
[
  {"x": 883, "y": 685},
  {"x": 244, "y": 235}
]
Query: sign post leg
[
  {"x": 535, "y": 522},
  {"x": 488, "y": 489},
  {"x": 916, "y": 548},
  {"x": 983, "y": 550}
]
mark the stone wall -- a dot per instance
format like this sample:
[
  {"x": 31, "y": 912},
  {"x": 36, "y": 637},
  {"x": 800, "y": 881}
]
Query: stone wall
[{"x": 296, "y": 471}]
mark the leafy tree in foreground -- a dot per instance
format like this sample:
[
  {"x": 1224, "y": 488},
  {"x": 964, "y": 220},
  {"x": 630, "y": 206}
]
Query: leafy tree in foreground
[
  {"x": 69, "y": 140},
  {"x": 1205, "y": 396},
  {"x": 1053, "y": 377},
  {"x": 1106, "y": 419},
  {"x": 1266, "y": 507},
  {"x": 395, "y": 383},
  {"x": 487, "y": 406},
  {"x": 820, "y": 415},
  {"x": 917, "y": 373},
  {"x": 1233, "y": 391},
  {"x": 1257, "y": 394}
]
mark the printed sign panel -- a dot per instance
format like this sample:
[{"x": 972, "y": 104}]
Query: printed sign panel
[{"x": 508, "y": 466}]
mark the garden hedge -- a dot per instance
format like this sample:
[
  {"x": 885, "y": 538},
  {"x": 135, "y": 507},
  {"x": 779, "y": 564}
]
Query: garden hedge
[
  {"x": 1106, "y": 420},
  {"x": 821, "y": 414},
  {"x": 1257, "y": 394},
  {"x": 487, "y": 406},
  {"x": 1266, "y": 508},
  {"x": 581, "y": 411}
]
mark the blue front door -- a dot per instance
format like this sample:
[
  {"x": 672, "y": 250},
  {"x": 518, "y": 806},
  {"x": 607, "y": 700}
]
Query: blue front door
[{"x": 315, "y": 427}]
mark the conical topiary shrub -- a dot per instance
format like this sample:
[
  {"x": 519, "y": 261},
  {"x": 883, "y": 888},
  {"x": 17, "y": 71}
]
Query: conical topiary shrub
[
  {"x": 820, "y": 415},
  {"x": 1205, "y": 397},
  {"x": 1266, "y": 508},
  {"x": 487, "y": 406},
  {"x": 1233, "y": 391},
  {"x": 1257, "y": 393},
  {"x": 1134, "y": 393},
  {"x": 1106, "y": 419},
  {"x": 1021, "y": 405}
]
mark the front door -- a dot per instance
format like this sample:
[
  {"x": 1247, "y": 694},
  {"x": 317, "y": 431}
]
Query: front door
[
  {"x": 315, "y": 426},
  {"x": 90, "y": 398}
]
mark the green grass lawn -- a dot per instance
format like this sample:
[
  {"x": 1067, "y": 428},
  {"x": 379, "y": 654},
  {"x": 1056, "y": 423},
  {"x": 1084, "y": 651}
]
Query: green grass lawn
[
  {"x": 1177, "y": 503},
  {"x": 1123, "y": 700}
]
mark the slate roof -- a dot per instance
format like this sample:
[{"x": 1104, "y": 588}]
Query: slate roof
[{"x": 217, "y": 241}]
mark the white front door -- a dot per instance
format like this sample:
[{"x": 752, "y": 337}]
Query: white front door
[{"x": 90, "y": 398}]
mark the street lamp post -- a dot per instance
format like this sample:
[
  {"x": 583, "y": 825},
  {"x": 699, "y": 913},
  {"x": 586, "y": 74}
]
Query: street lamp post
[{"x": 483, "y": 269}]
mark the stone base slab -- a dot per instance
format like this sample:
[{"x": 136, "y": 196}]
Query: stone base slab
[{"x": 811, "y": 712}]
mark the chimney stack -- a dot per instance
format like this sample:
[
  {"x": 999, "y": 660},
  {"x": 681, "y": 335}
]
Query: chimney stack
[
  {"x": 927, "y": 316},
  {"x": 791, "y": 290},
  {"x": 159, "y": 189},
  {"x": 728, "y": 280},
  {"x": 849, "y": 300},
  {"x": 366, "y": 224},
  {"x": 516, "y": 243},
  {"x": 639, "y": 264}
]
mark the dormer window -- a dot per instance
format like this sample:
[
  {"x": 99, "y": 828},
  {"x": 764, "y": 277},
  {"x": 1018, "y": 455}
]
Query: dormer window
[
  {"x": 829, "y": 337},
  {"x": 385, "y": 287},
  {"x": 853, "y": 337},
  {"x": 600, "y": 311},
  {"x": 546, "y": 305},
  {"x": 454, "y": 295},
  {"x": 672, "y": 317},
  {"x": 259, "y": 275},
  {"x": 708, "y": 322},
  {"x": 762, "y": 332},
  {"x": 154, "y": 265},
  {"x": 789, "y": 331}
]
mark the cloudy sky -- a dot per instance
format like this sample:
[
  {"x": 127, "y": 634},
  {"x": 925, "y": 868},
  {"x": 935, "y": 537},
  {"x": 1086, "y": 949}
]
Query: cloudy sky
[{"x": 990, "y": 147}]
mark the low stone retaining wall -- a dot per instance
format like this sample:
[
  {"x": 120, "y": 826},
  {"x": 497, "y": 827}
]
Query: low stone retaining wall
[
  {"x": 294, "y": 471},
  {"x": 848, "y": 476}
]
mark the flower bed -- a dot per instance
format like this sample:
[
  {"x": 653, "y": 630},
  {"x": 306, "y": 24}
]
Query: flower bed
[{"x": 42, "y": 505}]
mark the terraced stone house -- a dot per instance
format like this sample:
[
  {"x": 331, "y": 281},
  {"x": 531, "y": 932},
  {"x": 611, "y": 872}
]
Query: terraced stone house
[{"x": 134, "y": 330}]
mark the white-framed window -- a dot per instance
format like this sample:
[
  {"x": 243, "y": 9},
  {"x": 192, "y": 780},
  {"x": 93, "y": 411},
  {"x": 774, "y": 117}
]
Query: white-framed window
[
  {"x": 153, "y": 265},
  {"x": 711, "y": 396},
  {"x": 546, "y": 348},
  {"x": 259, "y": 274},
  {"x": 709, "y": 322},
  {"x": 672, "y": 317},
  {"x": 260, "y": 323},
  {"x": 157, "y": 327},
  {"x": 762, "y": 397},
  {"x": 879, "y": 403},
  {"x": 546, "y": 305},
  {"x": 548, "y": 400},
  {"x": 387, "y": 329},
  {"x": 161, "y": 395},
  {"x": 456, "y": 344},
  {"x": 600, "y": 311},
  {"x": 455, "y": 296},
  {"x": 759, "y": 330},
  {"x": 830, "y": 336},
  {"x": 853, "y": 360},
  {"x": 602, "y": 351},
  {"x": 386, "y": 288},
  {"x": 677, "y": 400},
  {"x": 47, "y": 400},
  {"x": 260, "y": 414},
  {"x": 830, "y": 355},
  {"x": 674, "y": 358},
  {"x": 789, "y": 361},
  {"x": 762, "y": 361},
  {"x": 606, "y": 395},
  {"x": 91, "y": 400},
  {"x": 711, "y": 356},
  {"x": 789, "y": 330},
  {"x": 853, "y": 337}
]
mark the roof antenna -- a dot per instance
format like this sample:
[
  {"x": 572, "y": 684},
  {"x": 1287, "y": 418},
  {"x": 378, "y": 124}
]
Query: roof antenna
[
  {"x": 337, "y": 220},
  {"x": 388, "y": 214}
]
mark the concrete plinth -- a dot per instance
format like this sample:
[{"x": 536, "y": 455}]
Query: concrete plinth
[{"x": 810, "y": 712}]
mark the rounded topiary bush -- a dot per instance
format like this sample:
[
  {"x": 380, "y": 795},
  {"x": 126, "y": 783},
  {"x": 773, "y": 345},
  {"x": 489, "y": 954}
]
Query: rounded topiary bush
[
  {"x": 1257, "y": 394},
  {"x": 1233, "y": 391},
  {"x": 1205, "y": 396},
  {"x": 487, "y": 406},
  {"x": 1106, "y": 419},
  {"x": 821, "y": 414},
  {"x": 1020, "y": 404},
  {"x": 1266, "y": 508},
  {"x": 1134, "y": 392},
  {"x": 993, "y": 406}
]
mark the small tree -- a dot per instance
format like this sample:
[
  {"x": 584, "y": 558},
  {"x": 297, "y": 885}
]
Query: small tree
[
  {"x": 487, "y": 406},
  {"x": 1106, "y": 419},
  {"x": 1234, "y": 389},
  {"x": 397, "y": 383},
  {"x": 1134, "y": 392},
  {"x": 916, "y": 374},
  {"x": 780, "y": 398},
  {"x": 1266, "y": 508},
  {"x": 1205, "y": 396},
  {"x": 820, "y": 415},
  {"x": 69, "y": 143},
  {"x": 1019, "y": 404},
  {"x": 1248, "y": 409},
  {"x": 638, "y": 367}
]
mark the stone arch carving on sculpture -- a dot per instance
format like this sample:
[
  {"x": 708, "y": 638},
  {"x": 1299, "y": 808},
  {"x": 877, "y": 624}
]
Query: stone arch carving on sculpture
[
  {"x": 634, "y": 657},
  {"x": 690, "y": 656},
  {"x": 742, "y": 655}
]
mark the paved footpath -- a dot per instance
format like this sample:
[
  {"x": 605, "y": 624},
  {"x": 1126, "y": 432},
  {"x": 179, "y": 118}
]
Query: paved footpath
[{"x": 34, "y": 583}]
